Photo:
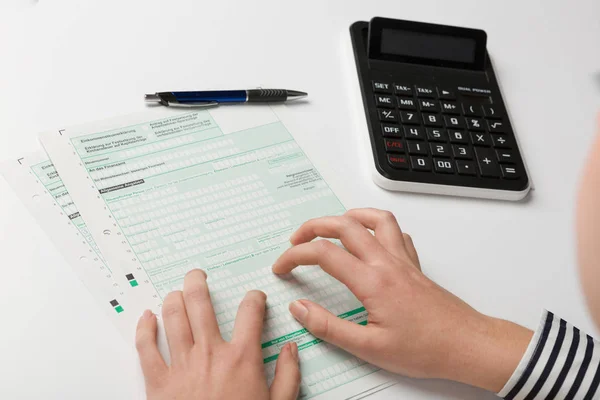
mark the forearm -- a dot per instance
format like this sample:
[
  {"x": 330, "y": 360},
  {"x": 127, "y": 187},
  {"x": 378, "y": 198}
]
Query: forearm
[
  {"x": 557, "y": 361},
  {"x": 487, "y": 353}
]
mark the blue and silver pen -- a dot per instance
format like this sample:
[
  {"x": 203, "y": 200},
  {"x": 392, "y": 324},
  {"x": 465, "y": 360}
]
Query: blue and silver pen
[{"x": 216, "y": 97}]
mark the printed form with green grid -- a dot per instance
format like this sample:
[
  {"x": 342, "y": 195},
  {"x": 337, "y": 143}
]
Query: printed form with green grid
[{"x": 185, "y": 190}]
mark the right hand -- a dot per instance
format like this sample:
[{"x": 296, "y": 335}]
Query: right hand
[{"x": 415, "y": 327}]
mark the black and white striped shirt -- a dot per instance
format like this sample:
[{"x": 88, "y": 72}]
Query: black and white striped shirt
[{"x": 561, "y": 362}]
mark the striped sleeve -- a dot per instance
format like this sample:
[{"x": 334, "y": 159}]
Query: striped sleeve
[{"x": 561, "y": 362}]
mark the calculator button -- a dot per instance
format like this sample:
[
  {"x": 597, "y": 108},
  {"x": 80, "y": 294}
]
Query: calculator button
[
  {"x": 440, "y": 149},
  {"x": 432, "y": 120},
  {"x": 443, "y": 166},
  {"x": 382, "y": 87},
  {"x": 397, "y": 161},
  {"x": 391, "y": 130},
  {"x": 454, "y": 122},
  {"x": 491, "y": 111},
  {"x": 471, "y": 110},
  {"x": 420, "y": 163},
  {"x": 417, "y": 148},
  {"x": 429, "y": 105},
  {"x": 394, "y": 146},
  {"x": 384, "y": 101},
  {"x": 388, "y": 115},
  {"x": 466, "y": 167},
  {"x": 425, "y": 91},
  {"x": 450, "y": 107},
  {"x": 446, "y": 94},
  {"x": 480, "y": 139},
  {"x": 496, "y": 127},
  {"x": 458, "y": 136},
  {"x": 505, "y": 156},
  {"x": 502, "y": 141},
  {"x": 403, "y": 90},
  {"x": 464, "y": 152},
  {"x": 437, "y": 134},
  {"x": 488, "y": 166},
  {"x": 475, "y": 124},
  {"x": 406, "y": 104},
  {"x": 408, "y": 117},
  {"x": 510, "y": 172},
  {"x": 414, "y": 132}
]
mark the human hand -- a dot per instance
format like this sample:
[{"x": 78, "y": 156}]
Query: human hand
[
  {"x": 415, "y": 327},
  {"x": 203, "y": 365}
]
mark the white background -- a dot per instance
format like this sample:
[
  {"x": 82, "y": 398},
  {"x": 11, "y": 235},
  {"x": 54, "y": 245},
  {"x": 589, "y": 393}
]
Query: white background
[{"x": 65, "y": 62}]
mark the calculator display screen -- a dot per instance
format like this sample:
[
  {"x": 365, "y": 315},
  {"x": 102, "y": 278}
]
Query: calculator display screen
[
  {"x": 428, "y": 45},
  {"x": 411, "y": 42}
]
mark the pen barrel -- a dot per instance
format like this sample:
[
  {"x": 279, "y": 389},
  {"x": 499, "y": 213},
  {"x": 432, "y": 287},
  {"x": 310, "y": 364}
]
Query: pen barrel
[{"x": 266, "y": 95}]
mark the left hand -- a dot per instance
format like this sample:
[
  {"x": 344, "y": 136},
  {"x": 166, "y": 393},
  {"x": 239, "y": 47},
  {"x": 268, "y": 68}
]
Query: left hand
[{"x": 204, "y": 366}]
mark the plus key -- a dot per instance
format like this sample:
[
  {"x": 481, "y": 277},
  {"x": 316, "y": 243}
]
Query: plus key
[{"x": 486, "y": 160}]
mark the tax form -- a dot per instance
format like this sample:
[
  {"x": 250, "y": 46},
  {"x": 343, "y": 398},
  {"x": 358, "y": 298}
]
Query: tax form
[
  {"x": 35, "y": 180},
  {"x": 218, "y": 190}
]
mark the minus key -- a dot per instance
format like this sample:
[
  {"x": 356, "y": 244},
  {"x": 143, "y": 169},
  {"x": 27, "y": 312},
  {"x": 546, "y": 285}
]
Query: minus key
[{"x": 505, "y": 156}]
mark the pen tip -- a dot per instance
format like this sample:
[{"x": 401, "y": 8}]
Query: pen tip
[
  {"x": 295, "y": 94},
  {"x": 152, "y": 98}
]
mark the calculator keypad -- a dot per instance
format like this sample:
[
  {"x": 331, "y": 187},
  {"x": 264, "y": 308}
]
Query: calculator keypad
[{"x": 431, "y": 130}]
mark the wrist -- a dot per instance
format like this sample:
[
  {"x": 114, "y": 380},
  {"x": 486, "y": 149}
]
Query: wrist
[{"x": 487, "y": 352}]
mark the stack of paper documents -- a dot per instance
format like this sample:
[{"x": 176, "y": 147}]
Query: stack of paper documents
[{"x": 134, "y": 203}]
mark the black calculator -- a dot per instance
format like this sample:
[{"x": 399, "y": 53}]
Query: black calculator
[{"x": 437, "y": 121}]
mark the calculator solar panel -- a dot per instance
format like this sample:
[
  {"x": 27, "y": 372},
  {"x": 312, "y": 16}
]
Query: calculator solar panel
[{"x": 435, "y": 124}]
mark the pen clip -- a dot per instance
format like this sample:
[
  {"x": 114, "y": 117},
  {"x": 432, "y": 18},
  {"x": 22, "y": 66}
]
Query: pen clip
[{"x": 204, "y": 104}]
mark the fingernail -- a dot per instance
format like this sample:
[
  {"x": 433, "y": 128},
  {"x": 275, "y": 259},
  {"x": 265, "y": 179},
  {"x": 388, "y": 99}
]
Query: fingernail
[
  {"x": 299, "y": 311},
  {"x": 257, "y": 292},
  {"x": 294, "y": 350},
  {"x": 147, "y": 314}
]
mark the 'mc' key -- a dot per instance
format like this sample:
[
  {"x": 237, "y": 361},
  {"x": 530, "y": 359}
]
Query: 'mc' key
[{"x": 384, "y": 101}]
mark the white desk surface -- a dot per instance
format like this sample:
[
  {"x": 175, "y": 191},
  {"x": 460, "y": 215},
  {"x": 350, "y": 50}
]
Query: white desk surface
[{"x": 68, "y": 61}]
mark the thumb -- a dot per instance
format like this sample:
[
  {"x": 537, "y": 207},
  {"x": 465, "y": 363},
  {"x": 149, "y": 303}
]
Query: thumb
[
  {"x": 326, "y": 326},
  {"x": 286, "y": 382}
]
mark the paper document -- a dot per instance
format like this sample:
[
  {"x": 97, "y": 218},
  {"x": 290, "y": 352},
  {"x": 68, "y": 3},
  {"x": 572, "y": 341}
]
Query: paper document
[
  {"x": 222, "y": 191},
  {"x": 36, "y": 182}
]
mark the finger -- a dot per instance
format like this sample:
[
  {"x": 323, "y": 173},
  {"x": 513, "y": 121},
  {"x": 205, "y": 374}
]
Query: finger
[
  {"x": 352, "y": 234},
  {"x": 386, "y": 228},
  {"x": 334, "y": 260},
  {"x": 321, "y": 323},
  {"x": 249, "y": 320},
  {"x": 153, "y": 365},
  {"x": 198, "y": 305},
  {"x": 286, "y": 383},
  {"x": 177, "y": 326},
  {"x": 411, "y": 250}
]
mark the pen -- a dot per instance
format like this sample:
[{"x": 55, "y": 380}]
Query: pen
[{"x": 215, "y": 97}]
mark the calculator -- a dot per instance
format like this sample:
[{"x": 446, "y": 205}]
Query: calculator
[{"x": 434, "y": 110}]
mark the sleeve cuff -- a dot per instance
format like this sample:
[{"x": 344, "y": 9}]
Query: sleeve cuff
[{"x": 560, "y": 362}]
